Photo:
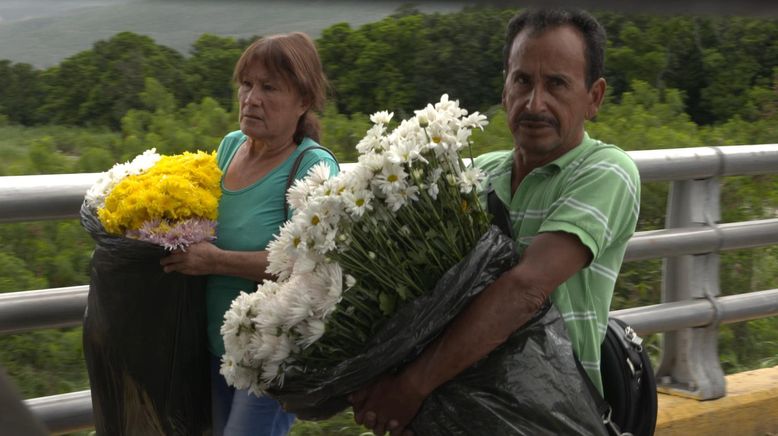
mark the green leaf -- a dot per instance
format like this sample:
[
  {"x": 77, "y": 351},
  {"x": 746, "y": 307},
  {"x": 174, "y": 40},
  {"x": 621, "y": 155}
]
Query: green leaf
[
  {"x": 387, "y": 302},
  {"x": 403, "y": 292}
]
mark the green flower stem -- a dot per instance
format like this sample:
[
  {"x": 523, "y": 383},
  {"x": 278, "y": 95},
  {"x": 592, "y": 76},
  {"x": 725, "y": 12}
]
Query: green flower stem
[
  {"x": 414, "y": 223},
  {"x": 377, "y": 271},
  {"x": 343, "y": 330},
  {"x": 372, "y": 312},
  {"x": 352, "y": 265}
]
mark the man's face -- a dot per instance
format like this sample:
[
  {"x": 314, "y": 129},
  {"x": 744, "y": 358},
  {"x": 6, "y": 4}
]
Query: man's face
[{"x": 545, "y": 93}]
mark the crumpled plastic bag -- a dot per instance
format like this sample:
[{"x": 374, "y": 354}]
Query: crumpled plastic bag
[
  {"x": 144, "y": 341},
  {"x": 529, "y": 385}
]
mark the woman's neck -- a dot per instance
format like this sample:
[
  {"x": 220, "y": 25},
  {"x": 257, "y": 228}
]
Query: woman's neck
[{"x": 257, "y": 148}]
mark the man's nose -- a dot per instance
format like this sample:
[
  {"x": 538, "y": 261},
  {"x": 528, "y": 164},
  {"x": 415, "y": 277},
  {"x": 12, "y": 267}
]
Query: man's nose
[{"x": 536, "y": 102}]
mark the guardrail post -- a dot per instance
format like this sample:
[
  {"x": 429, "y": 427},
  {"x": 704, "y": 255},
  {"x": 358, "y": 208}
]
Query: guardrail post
[{"x": 690, "y": 363}]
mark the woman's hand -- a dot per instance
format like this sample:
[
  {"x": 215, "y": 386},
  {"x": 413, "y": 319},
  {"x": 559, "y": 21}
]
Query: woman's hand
[{"x": 198, "y": 259}]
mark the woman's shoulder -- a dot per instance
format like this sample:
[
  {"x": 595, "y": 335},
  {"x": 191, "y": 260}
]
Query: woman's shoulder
[
  {"x": 313, "y": 152},
  {"x": 309, "y": 153},
  {"x": 229, "y": 144},
  {"x": 233, "y": 139}
]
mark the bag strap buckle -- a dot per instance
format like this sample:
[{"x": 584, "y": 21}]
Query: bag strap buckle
[{"x": 610, "y": 425}]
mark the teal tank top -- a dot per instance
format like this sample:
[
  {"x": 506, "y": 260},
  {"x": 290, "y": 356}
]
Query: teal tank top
[{"x": 248, "y": 218}]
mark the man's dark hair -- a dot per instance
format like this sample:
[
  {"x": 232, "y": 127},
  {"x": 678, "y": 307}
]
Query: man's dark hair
[{"x": 539, "y": 20}]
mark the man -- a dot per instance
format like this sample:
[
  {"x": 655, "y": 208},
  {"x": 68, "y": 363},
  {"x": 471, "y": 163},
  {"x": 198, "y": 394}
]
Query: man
[{"x": 573, "y": 204}]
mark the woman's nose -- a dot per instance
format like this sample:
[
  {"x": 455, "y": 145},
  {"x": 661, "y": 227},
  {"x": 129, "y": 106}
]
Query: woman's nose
[{"x": 252, "y": 96}]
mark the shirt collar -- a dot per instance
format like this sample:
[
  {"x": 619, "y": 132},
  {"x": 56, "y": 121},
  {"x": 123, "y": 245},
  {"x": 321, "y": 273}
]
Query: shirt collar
[
  {"x": 502, "y": 180},
  {"x": 574, "y": 153}
]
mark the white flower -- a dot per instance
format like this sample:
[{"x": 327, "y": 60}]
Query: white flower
[
  {"x": 264, "y": 345},
  {"x": 350, "y": 281},
  {"x": 357, "y": 203},
  {"x": 237, "y": 375},
  {"x": 474, "y": 120},
  {"x": 95, "y": 196},
  {"x": 304, "y": 264},
  {"x": 382, "y": 117},
  {"x": 300, "y": 308},
  {"x": 433, "y": 190},
  {"x": 392, "y": 178},
  {"x": 297, "y": 195},
  {"x": 315, "y": 329},
  {"x": 470, "y": 179},
  {"x": 373, "y": 142},
  {"x": 405, "y": 152},
  {"x": 318, "y": 173},
  {"x": 371, "y": 161}
]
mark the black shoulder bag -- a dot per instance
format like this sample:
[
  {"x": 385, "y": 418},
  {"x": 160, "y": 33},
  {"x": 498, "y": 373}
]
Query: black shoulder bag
[{"x": 630, "y": 403}]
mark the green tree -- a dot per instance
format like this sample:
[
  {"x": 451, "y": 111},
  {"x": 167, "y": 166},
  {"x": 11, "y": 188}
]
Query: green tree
[
  {"x": 21, "y": 92},
  {"x": 209, "y": 69},
  {"x": 98, "y": 86},
  {"x": 14, "y": 275}
]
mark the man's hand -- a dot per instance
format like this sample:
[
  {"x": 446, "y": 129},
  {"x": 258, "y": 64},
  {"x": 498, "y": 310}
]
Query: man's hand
[
  {"x": 388, "y": 404},
  {"x": 198, "y": 259}
]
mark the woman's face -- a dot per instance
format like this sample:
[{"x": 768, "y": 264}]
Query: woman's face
[{"x": 269, "y": 106}]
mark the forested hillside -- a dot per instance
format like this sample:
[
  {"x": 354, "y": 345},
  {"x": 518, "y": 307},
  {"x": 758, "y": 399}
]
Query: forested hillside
[{"x": 674, "y": 81}]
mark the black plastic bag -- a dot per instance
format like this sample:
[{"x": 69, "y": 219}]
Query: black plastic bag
[
  {"x": 144, "y": 341},
  {"x": 529, "y": 385}
]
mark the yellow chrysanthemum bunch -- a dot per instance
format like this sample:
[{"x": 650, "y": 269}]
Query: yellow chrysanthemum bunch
[{"x": 176, "y": 188}]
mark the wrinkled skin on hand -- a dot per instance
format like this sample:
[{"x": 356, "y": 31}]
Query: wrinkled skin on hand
[
  {"x": 388, "y": 404},
  {"x": 198, "y": 259}
]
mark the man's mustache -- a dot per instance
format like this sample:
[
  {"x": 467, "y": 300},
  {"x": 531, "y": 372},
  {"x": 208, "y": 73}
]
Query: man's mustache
[{"x": 537, "y": 118}]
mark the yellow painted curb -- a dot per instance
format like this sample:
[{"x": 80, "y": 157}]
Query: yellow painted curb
[{"x": 749, "y": 408}]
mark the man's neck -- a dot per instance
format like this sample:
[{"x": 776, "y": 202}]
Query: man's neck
[{"x": 524, "y": 163}]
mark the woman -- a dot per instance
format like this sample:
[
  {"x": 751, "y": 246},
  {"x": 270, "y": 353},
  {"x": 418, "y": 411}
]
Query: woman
[{"x": 280, "y": 82}]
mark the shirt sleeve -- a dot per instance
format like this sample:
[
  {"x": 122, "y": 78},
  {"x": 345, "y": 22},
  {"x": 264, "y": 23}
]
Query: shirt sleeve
[{"x": 599, "y": 203}]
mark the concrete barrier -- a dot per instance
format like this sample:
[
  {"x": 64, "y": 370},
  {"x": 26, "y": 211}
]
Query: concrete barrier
[{"x": 749, "y": 408}]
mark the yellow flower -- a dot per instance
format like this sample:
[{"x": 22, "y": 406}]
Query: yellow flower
[{"x": 177, "y": 187}]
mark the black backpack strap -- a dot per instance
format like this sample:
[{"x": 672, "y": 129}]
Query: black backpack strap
[
  {"x": 500, "y": 215},
  {"x": 296, "y": 166},
  {"x": 602, "y": 406}
]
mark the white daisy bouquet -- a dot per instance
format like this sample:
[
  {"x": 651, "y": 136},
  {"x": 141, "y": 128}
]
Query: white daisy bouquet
[
  {"x": 171, "y": 201},
  {"x": 359, "y": 247}
]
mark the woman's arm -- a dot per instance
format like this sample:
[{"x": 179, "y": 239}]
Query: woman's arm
[{"x": 205, "y": 258}]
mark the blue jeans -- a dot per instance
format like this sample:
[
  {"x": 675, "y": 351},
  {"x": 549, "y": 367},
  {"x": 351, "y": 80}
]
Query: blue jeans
[{"x": 236, "y": 412}]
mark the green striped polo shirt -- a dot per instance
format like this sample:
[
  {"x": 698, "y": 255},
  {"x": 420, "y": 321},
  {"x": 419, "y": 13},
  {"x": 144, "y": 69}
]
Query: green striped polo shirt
[{"x": 592, "y": 192}]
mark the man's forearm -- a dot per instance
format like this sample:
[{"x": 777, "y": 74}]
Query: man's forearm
[
  {"x": 500, "y": 310},
  {"x": 486, "y": 323}
]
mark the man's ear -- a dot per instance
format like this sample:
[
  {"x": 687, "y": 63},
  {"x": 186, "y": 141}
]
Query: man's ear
[{"x": 596, "y": 97}]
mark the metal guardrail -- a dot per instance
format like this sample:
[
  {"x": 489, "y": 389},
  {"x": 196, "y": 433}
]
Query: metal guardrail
[
  {"x": 693, "y": 171},
  {"x": 29, "y": 198}
]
